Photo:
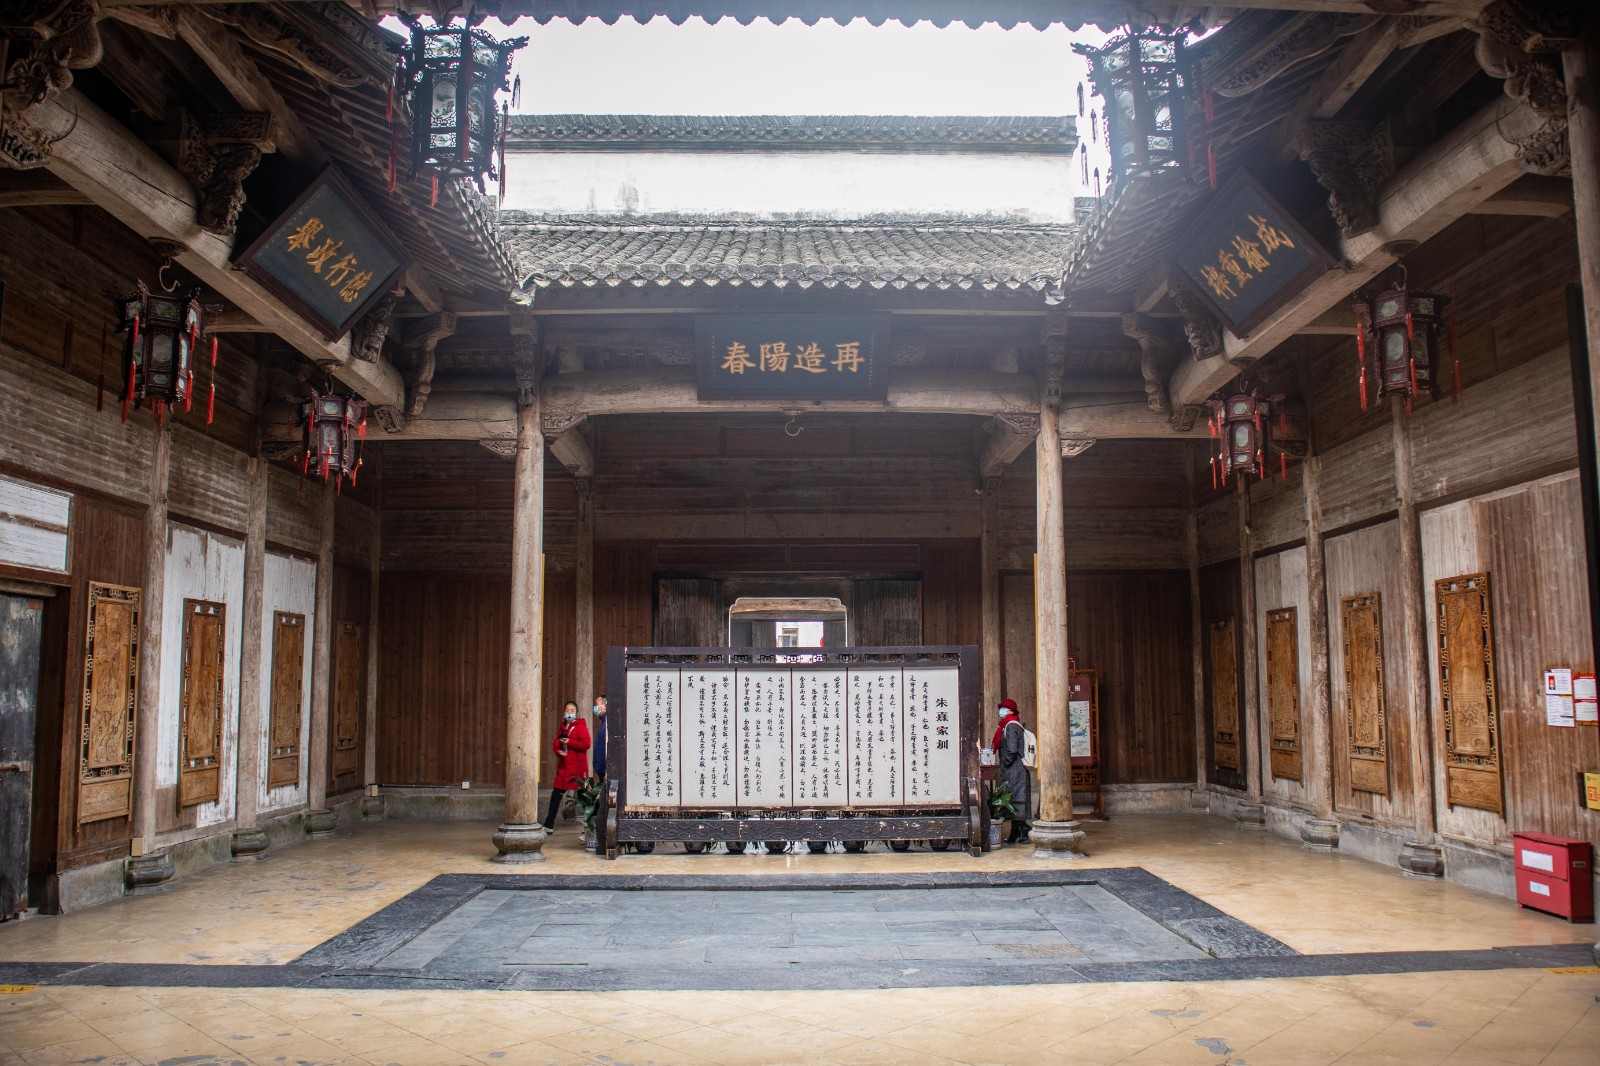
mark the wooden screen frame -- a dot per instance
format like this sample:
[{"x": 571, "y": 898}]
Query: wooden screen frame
[
  {"x": 285, "y": 721},
  {"x": 1224, "y": 683},
  {"x": 1472, "y": 744},
  {"x": 1368, "y": 755},
  {"x": 105, "y": 787},
  {"x": 1283, "y": 693},
  {"x": 349, "y": 675},
  {"x": 200, "y": 717}
]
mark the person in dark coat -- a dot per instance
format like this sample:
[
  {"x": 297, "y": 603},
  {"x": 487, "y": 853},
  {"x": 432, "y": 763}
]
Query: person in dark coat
[
  {"x": 597, "y": 754},
  {"x": 571, "y": 744},
  {"x": 1008, "y": 745}
]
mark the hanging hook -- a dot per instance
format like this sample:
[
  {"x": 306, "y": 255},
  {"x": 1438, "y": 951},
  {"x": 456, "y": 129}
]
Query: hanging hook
[
  {"x": 794, "y": 421},
  {"x": 161, "y": 276},
  {"x": 169, "y": 252}
]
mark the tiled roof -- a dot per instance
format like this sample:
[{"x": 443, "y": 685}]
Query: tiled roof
[
  {"x": 1053, "y": 134},
  {"x": 894, "y": 252},
  {"x": 1008, "y": 13}
]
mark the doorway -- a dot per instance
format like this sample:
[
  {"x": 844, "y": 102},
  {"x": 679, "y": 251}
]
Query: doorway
[
  {"x": 21, "y": 648},
  {"x": 877, "y": 610}
]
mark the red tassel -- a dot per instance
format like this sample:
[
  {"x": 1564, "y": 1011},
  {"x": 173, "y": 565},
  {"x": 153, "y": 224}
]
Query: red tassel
[
  {"x": 1283, "y": 424},
  {"x": 127, "y": 396},
  {"x": 1213, "y": 473},
  {"x": 305, "y": 463},
  {"x": 362, "y": 429},
  {"x": 1258, "y": 418},
  {"x": 211, "y": 403},
  {"x": 1283, "y": 463},
  {"x": 161, "y": 412},
  {"x": 1413, "y": 377},
  {"x": 433, "y": 201},
  {"x": 1261, "y": 467},
  {"x": 1363, "y": 386},
  {"x": 213, "y": 351},
  {"x": 1410, "y": 329},
  {"x": 353, "y": 472}
]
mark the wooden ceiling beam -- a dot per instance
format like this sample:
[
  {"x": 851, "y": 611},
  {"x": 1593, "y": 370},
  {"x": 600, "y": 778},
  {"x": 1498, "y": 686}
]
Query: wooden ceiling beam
[
  {"x": 1358, "y": 60},
  {"x": 102, "y": 159},
  {"x": 1532, "y": 195},
  {"x": 1448, "y": 180},
  {"x": 37, "y": 188},
  {"x": 573, "y": 452}
]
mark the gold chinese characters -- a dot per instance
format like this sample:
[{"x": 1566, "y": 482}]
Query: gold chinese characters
[
  {"x": 1244, "y": 259},
  {"x": 777, "y": 358},
  {"x": 343, "y": 272}
]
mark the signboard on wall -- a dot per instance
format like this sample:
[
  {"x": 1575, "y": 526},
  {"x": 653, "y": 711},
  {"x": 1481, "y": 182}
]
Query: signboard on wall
[
  {"x": 1246, "y": 256},
  {"x": 793, "y": 735},
  {"x": 328, "y": 256},
  {"x": 800, "y": 357}
]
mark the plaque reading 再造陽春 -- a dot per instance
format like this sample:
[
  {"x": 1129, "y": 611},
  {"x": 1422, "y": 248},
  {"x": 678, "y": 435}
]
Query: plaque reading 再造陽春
[{"x": 778, "y": 357}]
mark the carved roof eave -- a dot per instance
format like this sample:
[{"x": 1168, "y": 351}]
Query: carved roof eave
[{"x": 1022, "y": 134}]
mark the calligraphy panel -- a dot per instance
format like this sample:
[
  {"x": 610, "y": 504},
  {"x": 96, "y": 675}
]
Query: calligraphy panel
[
  {"x": 1224, "y": 695},
  {"x": 653, "y": 757},
  {"x": 708, "y": 737},
  {"x": 1283, "y": 692},
  {"x": 876, "y": 723},
  {"x": 763, "y": 725},
  {"x": 350, "y": 670},
  {"x": 752, "y": 357},
  {"x": 288, "y": 698},
  {"x": 1467, "y": 693},
  {"x": 819, "y": 738},
  {"x": 200, "y": 727},
  {"x": 109, "y": 704},
  {"x": 933, "y": 761},
  {"x": 1364, "y": 704}
]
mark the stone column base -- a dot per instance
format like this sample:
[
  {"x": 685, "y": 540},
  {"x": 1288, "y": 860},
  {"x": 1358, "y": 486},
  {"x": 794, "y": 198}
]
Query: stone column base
[
  {"x": 148, "y": 873},
  {"x": 1199, "y": 799},
  {"x": 1251, "y": 817},
  {"x": 519, "y": 843},
  {"x": 372, "y": 806},
  {"x": 250, "y": 843},
  {"x": 1057, "y": 840},
  {"x": 1421, "y": 860},
  {"x": 320, "y": 823},
  {"x": 1317, "y": 834}
]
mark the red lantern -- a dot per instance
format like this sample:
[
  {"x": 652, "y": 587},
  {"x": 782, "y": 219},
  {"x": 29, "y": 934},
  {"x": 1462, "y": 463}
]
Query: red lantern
[
  {"x": 1403, "y": 327},
  {"x": 1239, "y": 424},
  {"x": 332, "y": 430},
  {"x": 158, "y": 354}
]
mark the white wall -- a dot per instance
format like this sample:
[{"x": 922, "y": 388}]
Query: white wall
[
  {"x": 201, "y": 566},
  {"x": 291, "y": 586},
  {"x": 1036, "y": 187}
]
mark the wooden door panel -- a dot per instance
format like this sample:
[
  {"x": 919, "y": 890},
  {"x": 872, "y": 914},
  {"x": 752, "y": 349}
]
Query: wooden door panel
[
  {"x": 1283, "y": 692},
  {"x": 200, "y": 736},
  {"x": 1467, "y": 697},
  {"x": 1366, "y": 722},
  {"x": 350, "y": 671},
  {"x": 1224, "y": 695},
  {"x": 21, "y": 628},
  {"x": 109, "y": 703},
  {"x": 288, "y": 698}
]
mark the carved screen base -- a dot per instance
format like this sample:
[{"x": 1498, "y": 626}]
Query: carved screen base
[
  {"x": 105, "y": 798},
  {"x": 199, "y": 786},
  {"x": 1286, "y": 764},
  {"x": 1370, "y": 775},
  {"x": 1469, "y": 787}
]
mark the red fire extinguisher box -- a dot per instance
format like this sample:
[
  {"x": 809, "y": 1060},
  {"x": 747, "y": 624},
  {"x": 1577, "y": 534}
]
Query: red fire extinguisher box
[{"x": 1555, "y": 875}]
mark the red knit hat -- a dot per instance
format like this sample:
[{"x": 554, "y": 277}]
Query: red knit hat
[{"x": 1009, "y": 705}]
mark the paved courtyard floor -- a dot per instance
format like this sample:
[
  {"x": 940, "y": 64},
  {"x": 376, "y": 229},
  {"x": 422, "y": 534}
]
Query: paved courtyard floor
[{"x": 1179, "y": 940}]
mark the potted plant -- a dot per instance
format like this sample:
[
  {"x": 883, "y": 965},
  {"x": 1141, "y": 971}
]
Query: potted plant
[
  {"x": 1002, "y": 808},
  {"x": 588, "y": 795}
]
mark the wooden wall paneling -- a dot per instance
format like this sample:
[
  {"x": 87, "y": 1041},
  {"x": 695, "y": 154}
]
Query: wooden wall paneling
[
  {"x": 108, "y": 705},
  {"x": 1219, "y": 529},
  {"x": 287, "y": 703},
  {"x": 290, "y": 589},
  {"x": 1018, "y": 648},
  {"x": 209, "y": 482},
  {"x": 1356, "y": 482},
  {"x": 1220, "y": 595},
  {"x": 888, "y": 613},
  {"x": 431, "y": 541},
  {"x": 352, "y": 532},
  {"x": 1469, "y": 708},
  {"x": 560, "y": 658},
  {"x": 294, "y": 511},
  {"x": 200, "y": 724},
  {"x": 690, "y": 613},
  {"x": 1365, "y": 708},
  {"x": 1278, "y": 510},
  {"x": 952, "y": 592},
  {"x": 349, "y": 688},
  {"x": 1123, "y": 538},
  {"x": 1283, "y": 692}
]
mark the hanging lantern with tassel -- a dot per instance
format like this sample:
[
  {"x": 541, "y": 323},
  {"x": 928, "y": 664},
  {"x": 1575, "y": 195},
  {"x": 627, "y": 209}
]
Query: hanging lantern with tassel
[
  {"x": 1238, "y": 425},
  {"x": 1142, "y": 77},
  {"x": 162, "y": 331},
  {"x": 333, "y": 428},
  {"x": 453, "y": 74},
  {"x": 1400, "y": 329}
]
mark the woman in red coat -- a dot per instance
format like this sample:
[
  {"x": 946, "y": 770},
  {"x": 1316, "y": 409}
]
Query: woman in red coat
[{"x": 571, "y": 745}]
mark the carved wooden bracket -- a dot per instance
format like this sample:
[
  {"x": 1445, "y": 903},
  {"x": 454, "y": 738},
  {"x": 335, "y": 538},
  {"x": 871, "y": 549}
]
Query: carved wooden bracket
[
  {"x": 527, "y": 360},
  {"x": 423, "y": 339},
  {"x": 392, "y": 419},
  {"x": 1299, "y": 40},
  {"x": 1152, "y": 345},
  {"x": 368, "y": 336},
  {"x": 217, "y": 154},
  {"x": 1053, "y": 333},
  {"x": 1203, "y": 328},
  {"x": 1185, "y": 417},
  {"x": 1072, "y": 447},
  {"x": 1519, "y": 41},
  {"x": 505, "y": 447},
  {"x": 278, "y": 29},
  {"x": 1025, "y": 425},
  {"x": 62, "y": 36},
  {"x": 555, "y": 422},
  {"x": 1350, "y": 160}
]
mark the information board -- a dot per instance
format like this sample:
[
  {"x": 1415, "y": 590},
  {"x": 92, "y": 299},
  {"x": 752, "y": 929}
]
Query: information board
[{"x": 785, "y": 736}]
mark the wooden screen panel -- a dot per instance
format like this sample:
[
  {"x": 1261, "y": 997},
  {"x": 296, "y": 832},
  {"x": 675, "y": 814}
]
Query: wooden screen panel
[
  {"x": 1467, "y": 694},
  {"x": 350, "y": 670},
  {"x": 1224, "y": 695},
  {"x": 689, "y": 613},
  {"x": 1283, "y": 692},
  {"x": 288, "y": 698},
  {"x": 109, "y": 706},
  {"x": 200, "y": 736},
  {"x": 888, "y": 613},
  {"x": 1366, "y": 725}
]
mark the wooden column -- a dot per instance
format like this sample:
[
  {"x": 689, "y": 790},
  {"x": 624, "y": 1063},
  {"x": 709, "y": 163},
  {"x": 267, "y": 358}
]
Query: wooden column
[
  {"x": 991, "y": 622},
  {"x": 1322, "y": 832},
  {"x": 372, "y": 802},
  {"x": 248, "y": 840},
  {"x": 521, "y": 837},
  {"x": 1250, "y": 814},
  {"x": 147, "y": 866},
  {"x": 319, "y": 819},
  {"x": 1420, "y": 856},
  {"x": 583, "y": 604},
  {"x": 1056, "y": 833},
  {"x": 1197, "y": 650}
]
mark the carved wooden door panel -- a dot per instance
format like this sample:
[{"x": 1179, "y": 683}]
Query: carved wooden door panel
[
  {"x": 1224, "y": 695},
  {"x": 1467, "y": 695},
  {"x": 21, "y": 625},
  {"x": 1365, "y": 716},
  {"x": 288, "y": 698},
  {"x": 109, "y": 703},
  {"x": 350, "y": 673},
  {"x": 1283, "y": 692},
  {"x": 200, "y": 728}
]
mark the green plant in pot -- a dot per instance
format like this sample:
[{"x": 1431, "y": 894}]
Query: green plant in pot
[
  {"x": 1002, "y": 808},
  {"x": 588, "y": 793}
]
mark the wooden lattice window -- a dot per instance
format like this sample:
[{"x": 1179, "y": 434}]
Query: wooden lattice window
[
  {"x": 1366, "y": 723},
  {"x": 1283, "y": 692},
  {"x": 1224, "y": 695},
  {"x": 200, "y": 727},
  {"x": 109, "y": 706},
  {"x": 288, "y": 698},
  {"x": 1467, "y": 696}
]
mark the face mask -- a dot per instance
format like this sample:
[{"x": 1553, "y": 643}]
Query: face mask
[
  {"x": 599, "y": 710},
  {"x": 572, "y": 715}
]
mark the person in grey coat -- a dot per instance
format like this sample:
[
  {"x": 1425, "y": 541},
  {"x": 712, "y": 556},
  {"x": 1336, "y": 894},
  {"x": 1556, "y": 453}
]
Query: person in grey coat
[{"x": 1008, "y": 744}]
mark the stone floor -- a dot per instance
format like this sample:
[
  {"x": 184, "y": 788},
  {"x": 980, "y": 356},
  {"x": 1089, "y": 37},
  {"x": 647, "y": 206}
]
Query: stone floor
[{"x": 270, "y": 913}]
